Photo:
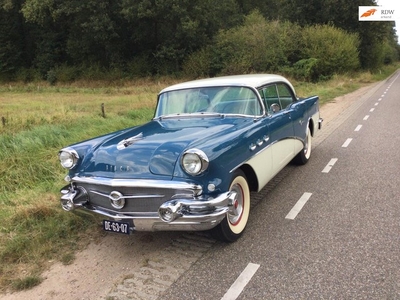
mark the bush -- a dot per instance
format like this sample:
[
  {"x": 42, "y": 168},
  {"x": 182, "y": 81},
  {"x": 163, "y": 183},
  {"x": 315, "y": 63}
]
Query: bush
[
  {"x": 51, "y": 77},
  {"x": 65, "y": 73},
  {"x": 27, "y": 75},
  {"x": 140, "y": 66},
  {"x": 256, "y": 46},
  {"x": 198, "y": 64},
  {"x": 310, "y": 53},
  {"x": 335, "y": 50},
  {"x": 305, "y": 69},
  {"x": 390, "y": 53}
]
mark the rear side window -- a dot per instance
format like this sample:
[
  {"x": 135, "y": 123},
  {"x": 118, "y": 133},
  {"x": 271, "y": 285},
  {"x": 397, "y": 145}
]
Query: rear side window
[
  {"x": 276, "y": 97},
  {"x": 285, "y": 96},
  {"x": 270, "y": 97}
]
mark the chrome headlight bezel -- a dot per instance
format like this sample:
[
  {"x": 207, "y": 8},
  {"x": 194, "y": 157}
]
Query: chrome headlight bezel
[
  {"x": 68, "y": 158},
  {"x": 194, "y": 162}
]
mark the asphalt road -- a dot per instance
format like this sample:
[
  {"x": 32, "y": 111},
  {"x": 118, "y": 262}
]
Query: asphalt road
[{"x": 342, "y": 239}]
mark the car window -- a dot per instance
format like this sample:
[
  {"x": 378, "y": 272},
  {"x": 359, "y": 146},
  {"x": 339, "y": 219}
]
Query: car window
[
  {"x": 285, "y": 96},
  {"x": 271, "y": 98},
  {"x": 226, "y": 100},
  {"x": 236, "y": 100}
]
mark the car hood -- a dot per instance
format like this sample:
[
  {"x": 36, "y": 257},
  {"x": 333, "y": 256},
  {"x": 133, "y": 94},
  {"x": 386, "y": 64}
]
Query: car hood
[{"x": 154, "y": 148}]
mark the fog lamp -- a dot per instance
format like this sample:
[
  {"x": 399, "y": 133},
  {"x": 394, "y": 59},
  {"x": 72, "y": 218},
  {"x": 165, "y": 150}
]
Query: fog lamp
[{"x": 67, "y": 205}]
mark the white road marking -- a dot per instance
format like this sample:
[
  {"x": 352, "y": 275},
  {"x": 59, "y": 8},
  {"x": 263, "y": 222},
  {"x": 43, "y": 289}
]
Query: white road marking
[
  {"x": 240, "y": 283},
  {"x": 377, "y": 103},
  {"x": 298, "y": 206},
  {"x": 329, "y": 166},
  {"x": 366, "y": 118},
  {"x": 358, "y": 128},
  {"x": 347, "y": 143},
  {"x": 372, "y": 109},
  {"x": 379, "y": 99}
]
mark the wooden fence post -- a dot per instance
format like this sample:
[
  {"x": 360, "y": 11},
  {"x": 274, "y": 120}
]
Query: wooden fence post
[{"x": 102, "y": 110}]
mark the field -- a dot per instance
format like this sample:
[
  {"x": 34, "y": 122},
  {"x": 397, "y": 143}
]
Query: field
[{"x": 36, "y": 121}]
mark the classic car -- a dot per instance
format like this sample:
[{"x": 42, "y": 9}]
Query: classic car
[{"x": 192, "y": 167}]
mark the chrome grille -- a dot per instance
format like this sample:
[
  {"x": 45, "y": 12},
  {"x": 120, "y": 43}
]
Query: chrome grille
[{"x": 137, "y": 199}]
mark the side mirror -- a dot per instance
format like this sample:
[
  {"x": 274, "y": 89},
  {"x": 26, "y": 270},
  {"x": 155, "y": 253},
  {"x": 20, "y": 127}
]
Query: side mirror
[{"x": 275, "y": 107}]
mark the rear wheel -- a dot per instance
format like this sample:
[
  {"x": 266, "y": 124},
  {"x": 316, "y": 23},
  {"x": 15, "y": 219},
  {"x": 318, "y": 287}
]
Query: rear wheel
[
  {"x": 304, "y": 155},
  {"x": 232, "y": 227}
]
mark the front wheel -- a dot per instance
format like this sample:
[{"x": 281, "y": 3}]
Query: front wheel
[
  {"x": 232, "y": 227},
  {"x": 304, "y": 155}
]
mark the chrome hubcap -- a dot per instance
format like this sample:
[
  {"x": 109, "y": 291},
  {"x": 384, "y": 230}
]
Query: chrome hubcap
[{"x": 236, "y": 210}]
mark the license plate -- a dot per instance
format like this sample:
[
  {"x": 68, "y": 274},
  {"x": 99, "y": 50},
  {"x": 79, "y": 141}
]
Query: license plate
[{"x": 114, "y": 226}]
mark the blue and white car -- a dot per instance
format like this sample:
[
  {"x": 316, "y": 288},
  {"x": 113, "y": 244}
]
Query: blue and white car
[{"x": 192, "y": 167}]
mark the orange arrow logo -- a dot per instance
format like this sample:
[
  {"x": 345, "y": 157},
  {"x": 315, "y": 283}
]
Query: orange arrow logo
[{"x": 369, "y": 13}]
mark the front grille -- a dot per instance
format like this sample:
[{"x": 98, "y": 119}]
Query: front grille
[{"x": 137, "y": 199}]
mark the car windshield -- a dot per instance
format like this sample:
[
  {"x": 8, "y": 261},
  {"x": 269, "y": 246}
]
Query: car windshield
[{"x": 209, "y": 100}]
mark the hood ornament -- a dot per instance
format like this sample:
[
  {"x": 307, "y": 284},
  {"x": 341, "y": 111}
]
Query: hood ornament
[{"x": 129, "y": 141}]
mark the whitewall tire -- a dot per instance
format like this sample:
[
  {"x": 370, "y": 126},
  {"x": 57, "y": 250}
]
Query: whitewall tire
[{"x": 232, "y": 227}]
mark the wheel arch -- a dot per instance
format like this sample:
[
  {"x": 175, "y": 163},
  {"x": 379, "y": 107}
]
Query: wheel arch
[
  {"x": 251, "y": 177},
  {"x": 311, "y": 126}
]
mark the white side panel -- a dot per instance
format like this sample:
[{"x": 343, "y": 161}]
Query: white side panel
[
  {"x": 298, "y": 146},
  {"x": 282, "y": 153},
  {"x": 262, "y": 166},
  {"x": 267, "y": 163}
]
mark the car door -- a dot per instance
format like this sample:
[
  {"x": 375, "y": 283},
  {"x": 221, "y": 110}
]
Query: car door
[
  {"x": 300, "y": 119},
  {"x": 280, "y": 124},
  {"x": 258, "y": 141},
  {"x": 298, "y": 114}
]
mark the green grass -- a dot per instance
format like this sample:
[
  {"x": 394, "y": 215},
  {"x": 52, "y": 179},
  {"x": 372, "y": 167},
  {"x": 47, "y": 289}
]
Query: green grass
[
  {"x": 27, "y": 282},
  {"x": 33, "y": 228},
  {"x": 38, "y": 121}
]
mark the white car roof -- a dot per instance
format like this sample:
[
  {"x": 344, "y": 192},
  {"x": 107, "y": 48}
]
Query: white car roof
[{"x": 249, "y": 80}]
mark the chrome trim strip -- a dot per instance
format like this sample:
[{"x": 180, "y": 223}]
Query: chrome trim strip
[
  {"x": 129, "y": 141},
  {"x": 144, "y": 183},
  {"x": 152, "y": 215},
  {"x": 128, "y": 197},
  {"x": 121, "y": 216},
  {"x": 189, "y": 115},
  {"x": 216, "y": 115}
]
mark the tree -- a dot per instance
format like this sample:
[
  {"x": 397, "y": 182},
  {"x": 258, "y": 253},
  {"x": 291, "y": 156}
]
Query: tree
[
  {"x": 12, "y": 54},
  {"x": 169, "y": 30},
  {"x": 374, "y": 36},
  {"x": 343, "y": 14},
  {"x": 91, "y": 28}
]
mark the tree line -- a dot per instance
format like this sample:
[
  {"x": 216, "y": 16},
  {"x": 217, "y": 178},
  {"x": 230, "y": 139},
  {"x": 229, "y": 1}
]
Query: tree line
[{"x": 97, "y": 39}]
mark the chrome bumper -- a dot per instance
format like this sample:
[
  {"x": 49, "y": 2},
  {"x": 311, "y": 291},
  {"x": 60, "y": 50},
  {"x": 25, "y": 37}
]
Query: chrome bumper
[{"x": 199, "y": 213}]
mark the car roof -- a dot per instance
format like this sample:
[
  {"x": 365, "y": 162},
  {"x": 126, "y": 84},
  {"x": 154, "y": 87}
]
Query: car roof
[{"x": 249, "y": 80}]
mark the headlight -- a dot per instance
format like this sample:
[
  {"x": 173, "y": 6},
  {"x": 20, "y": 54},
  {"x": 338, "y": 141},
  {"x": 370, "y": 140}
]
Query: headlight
[
  {"x": 194, "y": 161},
  {"x": 68, "y": 158}
]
